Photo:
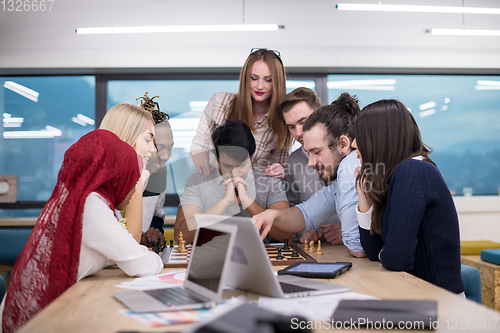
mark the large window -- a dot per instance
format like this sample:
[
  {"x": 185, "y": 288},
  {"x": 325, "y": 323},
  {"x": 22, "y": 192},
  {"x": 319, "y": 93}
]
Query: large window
[
  {"x": 458, "y": 116},
  {"x": 42, "y": 118},
  {"x": 184, "y": 101}
]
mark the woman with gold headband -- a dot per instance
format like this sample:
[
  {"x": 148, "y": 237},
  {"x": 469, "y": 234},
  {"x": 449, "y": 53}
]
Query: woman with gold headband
[{"x": 153, "y": 197}]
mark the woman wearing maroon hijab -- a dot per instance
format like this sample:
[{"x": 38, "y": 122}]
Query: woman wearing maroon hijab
[{"x": 77, "y": 233}]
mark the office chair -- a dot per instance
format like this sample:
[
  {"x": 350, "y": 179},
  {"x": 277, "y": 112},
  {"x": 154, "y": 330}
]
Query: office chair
[
  {"x": 472, "y": 281},
  {"x": 12, "y": 242},
  {"x": 3, "y": 288}
]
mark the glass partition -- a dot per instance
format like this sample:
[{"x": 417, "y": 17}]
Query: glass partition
[
  {"x": 458, "y": 116},
  {"x": 184, "y": 101},
  {"x": 42, "y": 117}
]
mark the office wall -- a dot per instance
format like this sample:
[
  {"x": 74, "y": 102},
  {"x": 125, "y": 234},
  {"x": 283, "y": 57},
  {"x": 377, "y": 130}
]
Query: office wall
[
  {"x": 316, "y": 35},
  {"x": 479, "y": 217}
]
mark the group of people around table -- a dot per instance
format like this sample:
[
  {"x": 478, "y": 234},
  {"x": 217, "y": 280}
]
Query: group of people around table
[{"x": 362, "y": 178}]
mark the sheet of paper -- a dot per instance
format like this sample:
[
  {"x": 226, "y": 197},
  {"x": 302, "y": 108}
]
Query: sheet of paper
[
  {"x": 312, "y": 308},
  {"x": 155, "y": 319},
  {"x": 155, "y": 282}
]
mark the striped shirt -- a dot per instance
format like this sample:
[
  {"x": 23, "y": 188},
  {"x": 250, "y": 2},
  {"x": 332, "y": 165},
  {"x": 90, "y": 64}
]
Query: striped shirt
[{"x": 266, "y": 140}]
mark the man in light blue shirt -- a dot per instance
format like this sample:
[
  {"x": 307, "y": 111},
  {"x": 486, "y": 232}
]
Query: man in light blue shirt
[
  {"x": 328, "y": 134},
  {"x": 339, "y": 197}
]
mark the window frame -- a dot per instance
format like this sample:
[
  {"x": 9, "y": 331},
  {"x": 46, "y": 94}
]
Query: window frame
[{"x": 319, "y": 75}]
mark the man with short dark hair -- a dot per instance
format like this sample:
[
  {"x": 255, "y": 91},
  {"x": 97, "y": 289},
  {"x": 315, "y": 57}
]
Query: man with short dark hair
[
  {"x": 328, "y": 134},
  {"x": 301, "y": 180},
  {"x": 234, "y": 188}
]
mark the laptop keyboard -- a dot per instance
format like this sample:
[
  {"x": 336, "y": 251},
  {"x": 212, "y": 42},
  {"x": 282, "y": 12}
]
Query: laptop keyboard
[
  {"x": 174, "y": 296},
  {"x": 292, "y": 288}
]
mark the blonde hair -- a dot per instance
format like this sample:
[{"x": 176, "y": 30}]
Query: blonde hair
[
  {"x": 241, "y": 106},
  {"x": 127, "y": 121}
]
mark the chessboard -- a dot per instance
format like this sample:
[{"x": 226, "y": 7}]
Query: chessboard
[
  {"x": 272, "y": 253},
  {"x": 173, "y": 259}
]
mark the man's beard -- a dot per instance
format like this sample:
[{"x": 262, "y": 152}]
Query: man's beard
[
  {"x": 330, "y": 170},
  {"x": 328, "y": 175}
]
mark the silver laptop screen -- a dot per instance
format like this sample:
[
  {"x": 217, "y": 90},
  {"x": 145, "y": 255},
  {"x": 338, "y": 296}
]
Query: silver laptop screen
[{"x": 207, "y": 261}]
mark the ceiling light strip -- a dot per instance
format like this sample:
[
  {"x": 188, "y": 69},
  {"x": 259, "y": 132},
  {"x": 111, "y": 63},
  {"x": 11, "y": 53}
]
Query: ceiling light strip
[
  {"x": 463, "y": 32},
  {"x": 22, "y": 90},
  {"x": 180, "y": 28},
  {"x": 417, "y": 9}
]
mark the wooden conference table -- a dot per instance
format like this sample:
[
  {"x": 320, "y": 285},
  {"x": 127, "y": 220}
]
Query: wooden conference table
[{"x": 89, "y": 307}]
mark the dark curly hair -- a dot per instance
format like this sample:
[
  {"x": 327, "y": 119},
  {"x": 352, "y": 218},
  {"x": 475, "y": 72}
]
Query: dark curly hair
[{"x": 337, "y": 117}]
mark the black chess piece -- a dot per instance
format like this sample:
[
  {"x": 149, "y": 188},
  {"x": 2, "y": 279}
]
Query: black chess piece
[
  {"x": 294, "y": 253},
  {"x": 160, "y": 245},
  {"x": 149, "y": 243},
  {"x": 156, "y": 247},
  {"x": 286, "y": 247},
  {"x": 279, "y": 256},
  {"x": 171, "y": 243}
]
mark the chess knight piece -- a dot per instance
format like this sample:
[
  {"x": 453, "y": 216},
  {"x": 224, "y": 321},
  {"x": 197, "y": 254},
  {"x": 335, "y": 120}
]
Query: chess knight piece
[{"x": 311, "y": 246}]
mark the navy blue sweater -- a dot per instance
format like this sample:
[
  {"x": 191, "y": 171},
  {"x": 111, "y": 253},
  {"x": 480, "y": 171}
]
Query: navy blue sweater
[{"x": 420, "y": 232}]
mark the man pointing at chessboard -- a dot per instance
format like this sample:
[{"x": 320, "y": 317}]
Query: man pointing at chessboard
[
  {"x": 234, "y": 188},
  {"x": 328, "y": 133}
]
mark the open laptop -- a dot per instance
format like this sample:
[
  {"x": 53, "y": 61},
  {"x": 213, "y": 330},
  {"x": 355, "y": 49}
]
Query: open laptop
[
  {"x": 251, "y": 269},
  {"x": 205, "y": 277}
]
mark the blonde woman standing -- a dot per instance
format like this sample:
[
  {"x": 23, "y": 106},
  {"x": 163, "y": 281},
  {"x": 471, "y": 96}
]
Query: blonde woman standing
[{"x": 262, "y": 86}]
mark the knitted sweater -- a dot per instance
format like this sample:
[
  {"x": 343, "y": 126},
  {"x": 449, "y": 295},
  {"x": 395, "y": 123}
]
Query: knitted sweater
[{"x": 420, "y": 233}]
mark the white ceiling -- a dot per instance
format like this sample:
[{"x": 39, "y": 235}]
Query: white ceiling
[{"x": 317, "y": 35}]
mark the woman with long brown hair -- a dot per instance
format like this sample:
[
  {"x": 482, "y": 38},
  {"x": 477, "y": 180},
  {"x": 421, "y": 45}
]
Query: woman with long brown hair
[
  {"x": 262, "y": 86},
  {"x": 406, "y": 214}
]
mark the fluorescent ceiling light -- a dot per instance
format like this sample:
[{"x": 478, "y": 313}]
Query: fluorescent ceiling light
[
  {"x": 417, "y": 9},
  {"x": 427, "y": 105},
  {"x": 19, "y": 120},
  {"x": 381, "y": 84},
  {"x": 370, "y": 88},
  {"x": 184, "y": 124},
  {"x": 49, "y": 132},
  {"x": 85, "y": 119},
  {"x": 487, "y": 85},
  {"x": 12, "y": 125},
  {"x": 297, "y": 84},
  {"x": 427, "y": 113},
  {"x": 22, "y": 90},
  {"x": 79, "y": 121},
  {"x": 180, "y": 28},
  {"x": 55, "y": 131},
  {"x": 197, "y": 105},
  {"x": 462, "y": 32},
  {"x": 184, "y": 129}
]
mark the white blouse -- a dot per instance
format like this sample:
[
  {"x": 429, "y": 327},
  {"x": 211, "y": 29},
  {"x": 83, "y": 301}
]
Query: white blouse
[{"x": 105, "y": 242}]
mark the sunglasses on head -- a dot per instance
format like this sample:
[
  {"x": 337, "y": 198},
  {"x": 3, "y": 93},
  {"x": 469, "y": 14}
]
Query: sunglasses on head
[{"x": 260, "y": 51}]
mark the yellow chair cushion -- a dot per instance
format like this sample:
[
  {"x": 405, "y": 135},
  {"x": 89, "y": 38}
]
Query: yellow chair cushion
[
  {"x": 475, "y": 247},
  {"x": 169, "y": 234}
]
